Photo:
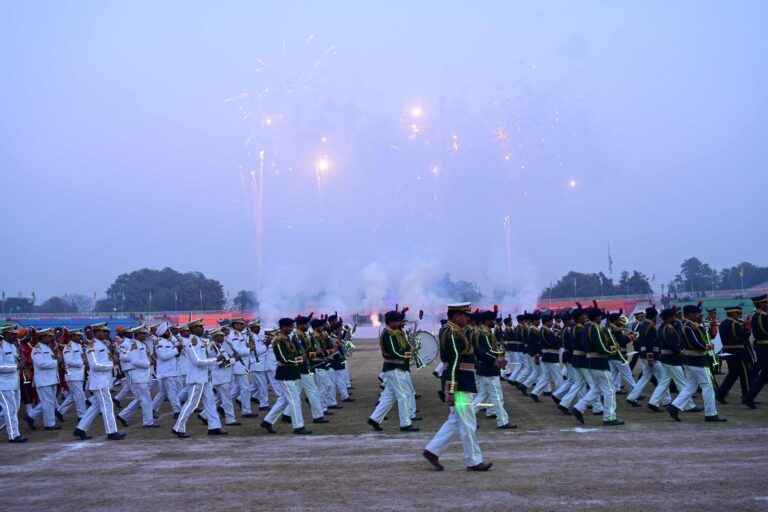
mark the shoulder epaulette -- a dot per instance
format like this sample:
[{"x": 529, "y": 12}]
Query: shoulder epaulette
[
  {"x": 134, "y": 346},
  {"x": 193, "y": 341}
]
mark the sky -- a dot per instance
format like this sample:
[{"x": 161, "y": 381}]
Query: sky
[{"x": 365, "y": 149}]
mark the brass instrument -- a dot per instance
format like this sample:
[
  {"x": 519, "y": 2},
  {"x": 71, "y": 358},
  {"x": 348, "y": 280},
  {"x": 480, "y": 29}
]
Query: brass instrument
[
  {"x": 217, "y": 349},
  {"x": 347, "y": 346}
]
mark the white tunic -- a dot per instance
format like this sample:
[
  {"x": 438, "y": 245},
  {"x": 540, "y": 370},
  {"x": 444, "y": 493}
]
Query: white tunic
[
  {"x": 100, "y": 365},
  {"x": 167, "y": 359},
  {"x": 46, "y": 366},
  {"x": 73, "y": 361},
  {"x": 238, "y": 342},
  {"x": 199, "y": 362},
  {"x": 9, "y": 372},
  {"x": 139, "y": 357}
]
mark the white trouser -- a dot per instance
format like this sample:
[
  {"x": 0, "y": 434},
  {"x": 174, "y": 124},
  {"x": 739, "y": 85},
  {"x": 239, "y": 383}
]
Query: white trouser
[
  {"x": 309, "y": 387},
  {"x": 620, "y": 371},
  {"x": 261, "y": 380},
  {"x": 347, "y": 380},
  {"x": 170, "y": 388},
  {"x": 509, "y": 357},
  {"x": 603, "y": 387},
  {"x": 577, "y": 389},
  {"x": 46, "y": 409},
  {"x": 566, "y": 384},
  {"x": 340, "y": 384},
  {"x": 396, "y": 390},
  {"x": 142, "y": 398},
  {"x": 76, "y": 397},
  {"x": 696, "y": 376},
  {"x": 661, "y": 394},
  {"x": 550, "y": 377},
  {"x": 288, "y": 402},
  {"x": 225, "y": 399},
  {"x": 254, "y": 386},
  {"x": 527, "y": 363},
  {"x": 241, "y": 389},
  {"x": 411, "y": 392},
  {"x": 101, "y": 403},
  {"x": 439, "y": 368},
  {"x": 199, "y": 391},
  {"x": 643, "y": 381},
  {"x": 489, "y": 391},
  {"x": 517, "y": 366},
  {"x": 125, "y": 386},
  {"x": 10, "y": 414},
  {"x": 327, "y": 386},
  {"x": 460, "y": 420}
]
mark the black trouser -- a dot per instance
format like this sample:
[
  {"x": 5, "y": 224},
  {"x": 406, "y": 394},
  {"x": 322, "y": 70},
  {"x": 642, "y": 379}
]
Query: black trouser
[
  {"x": 633, "y": 361},
  {"x": 760, "y": 373},
  {"x": 739, "y": 367}
]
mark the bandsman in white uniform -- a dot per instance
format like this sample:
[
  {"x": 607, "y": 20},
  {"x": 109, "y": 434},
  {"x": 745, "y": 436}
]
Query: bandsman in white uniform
[
  {"x": 139, "y": 355},
  {"x": 74, "y": 362},
  {"x": 222, "y": 375},
  {"x": 168, "y": 377},
  {"x": 9, "y": 384},
  {"x": 260, "y": 365},
  {"x": 122, "y": 342},
  {"x": 237, "y": 342},
  {"x": 46, "y": 380},
  {"x": 199, "y": 382},
  {"x": 100, "y": 365}
]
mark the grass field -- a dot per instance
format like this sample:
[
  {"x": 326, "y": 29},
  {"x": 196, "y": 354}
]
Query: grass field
[{"x": 549, "y": 463}]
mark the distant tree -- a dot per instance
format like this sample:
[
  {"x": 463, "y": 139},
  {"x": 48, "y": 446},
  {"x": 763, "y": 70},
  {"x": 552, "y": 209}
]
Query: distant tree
[
  {"x": 579, "y": 284},
  {"x": 694, "y": 276},
  {"x": 459, "y": 290},
  {"x": 18, "y": 305},
  {"x": 635, "y": 284},
  {"x": 730, "y": 278},
  {"x": 245, "y": 300},
  {"x": 169, "y": 289},
  {"x": 55, "y": 305}
]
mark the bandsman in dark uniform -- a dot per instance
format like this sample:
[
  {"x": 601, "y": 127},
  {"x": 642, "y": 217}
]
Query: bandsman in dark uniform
[
  {"x": 515, "y": 342},
  {"x": 550, "y": 376},
  {"x": 671, "y": 360},
  {"x": 735, "y": 338},
  {"x": 647, "y": 332},
  {"x": 695, "y": 361},
  {"x": 397, "y": 357},
  {"x": 489, "y": 365},
  {"x": 581, "y": 374},
  {"x": 618, "y": 361},
  {"x": 288, "y": 375},
  {"x": 566, "y": 337},
  {"x": 460, "y": 388},
  {"x": 760, "y": 332}
]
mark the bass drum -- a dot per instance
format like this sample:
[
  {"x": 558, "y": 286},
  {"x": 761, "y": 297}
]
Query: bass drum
[{"x": 429, "y": 348}]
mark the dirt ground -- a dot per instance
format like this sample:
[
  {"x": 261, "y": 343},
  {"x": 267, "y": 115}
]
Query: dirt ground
[{"x": 549, "y": 463}]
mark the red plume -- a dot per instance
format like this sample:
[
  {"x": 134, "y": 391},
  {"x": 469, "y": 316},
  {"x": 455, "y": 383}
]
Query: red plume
[
  {"x": 579, "y": 304},
  {"x": 477, "y": 310},
  {"x": 653, "y": 306},
  {"x": 621, "y": 311},
  {"x": 594, "y": 302},
  {"x": 311, "y": 314},
  {"x": 700, "y": 303},
  {"x": 525, "y": 312}
]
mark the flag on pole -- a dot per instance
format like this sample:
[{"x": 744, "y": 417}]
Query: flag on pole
[
  {"x": 34, "y": 297},
  {"x": 741, "y": 271},
  {"x": 94, "y": 295},
  {"x": 3, "y": 294},
  {"x": 653, "y": 278},
  {"x": 150, "y": 295}
]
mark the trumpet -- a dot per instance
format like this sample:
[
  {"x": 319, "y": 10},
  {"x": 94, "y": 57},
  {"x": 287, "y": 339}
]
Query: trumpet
[{"x": 347, "y": 346}]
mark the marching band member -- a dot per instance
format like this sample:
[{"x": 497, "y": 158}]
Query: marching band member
[
  {"x": 459, "y": 384},
  {"x": 168, "y": 379},
  {"x": 339, "y": 362},
  {"x": 533, "y": 351},
  {"x": 518, "y": 357},
  {"x": 139, "y": 356},
  {"x": 9, "y": 383},
  {"x": 566, "y": 342},
  {"x": 618, "y": 361},
  {"x": 237, "y": 340},
  {"x": 598, "y": 351},
  {"x": 253, "y": 332},
  {"x": 637, "y": 319},
  {"x": 397, "y": 355},
  {"x": 550, "y": 376},
  {"x": 490, "y": 361},
  {"x": 503, "y": 334},
  {"x": 100, "y": 364},
  {"x": 222, "y": 375},
  {"x": 74, "y": 361},
  {"x": 647, "y": 334},
  {"x": 183, "y": 343},
  {"x": 309, "y": 348},
  {"x": 46, "y": 380},
  {"x": 735, "y": 338},
  {"x": 199, "y": 382},
  {"x": 696, "y": 367},
  {"x": 123, "y": 341},
  {"x": 322, "y": 374},
  {"x": 760, "y": 332},
  {"x": 260, "y": 365},
  {"x": 671, "y": 360},
  {"x": 288, "y": 375}
]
